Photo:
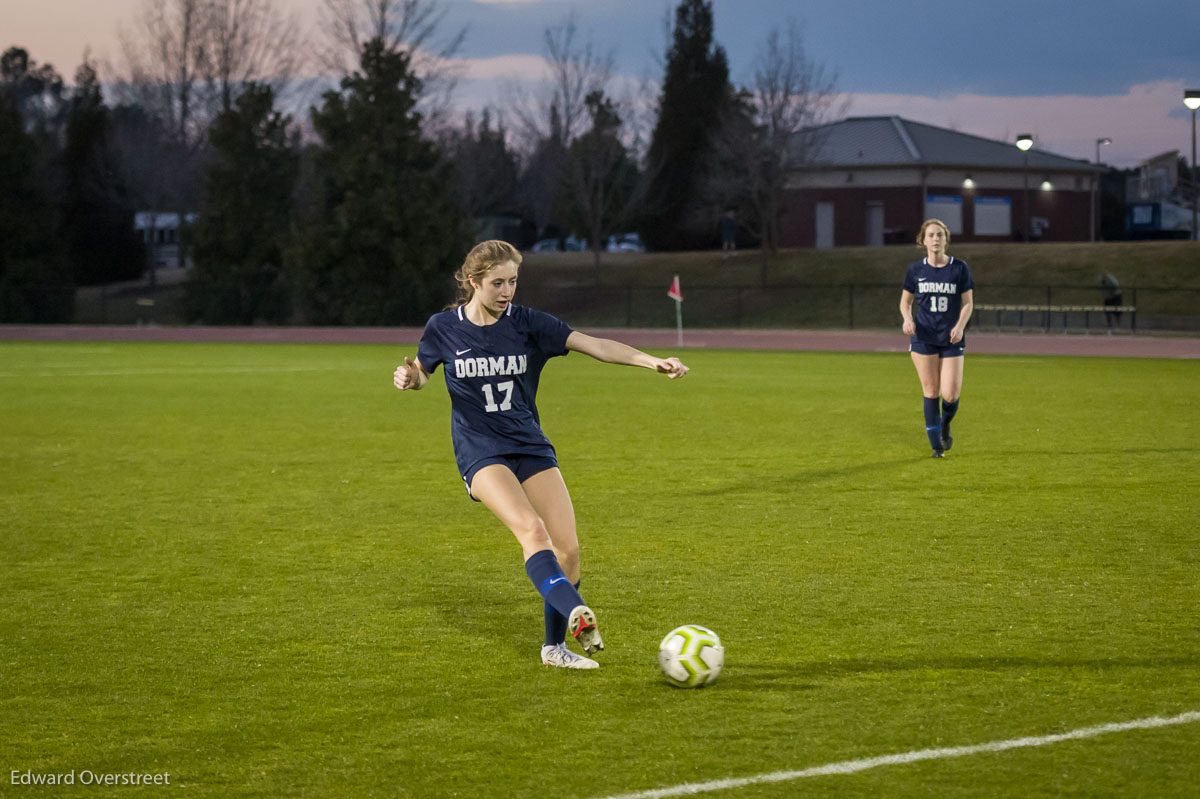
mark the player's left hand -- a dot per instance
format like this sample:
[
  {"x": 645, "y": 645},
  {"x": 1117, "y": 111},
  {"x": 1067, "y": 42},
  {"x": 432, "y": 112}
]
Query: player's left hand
[
  {"x": 672, "y": 368},
  {"x": 956, "y": 334}
]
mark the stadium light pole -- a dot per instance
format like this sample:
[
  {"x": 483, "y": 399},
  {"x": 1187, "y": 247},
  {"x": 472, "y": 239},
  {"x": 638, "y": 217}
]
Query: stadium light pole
[
  {"x": 1191, "y": 98},
  {"x": 1095, "y": 225},
  {"x": 1024, "y": 142}
]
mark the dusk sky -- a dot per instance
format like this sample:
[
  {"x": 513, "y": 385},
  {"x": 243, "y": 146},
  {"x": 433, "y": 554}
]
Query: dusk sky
[{"x": 1067, "y": 71}]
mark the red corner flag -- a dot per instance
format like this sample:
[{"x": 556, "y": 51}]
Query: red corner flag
[{"x": 675, "y": 292}]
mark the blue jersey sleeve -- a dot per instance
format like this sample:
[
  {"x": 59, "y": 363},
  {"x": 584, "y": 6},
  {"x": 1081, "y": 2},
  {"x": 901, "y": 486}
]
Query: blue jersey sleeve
[
  {"x": 430, "y": 351},
  {"x": 910, "y": 279},
  {"x": 549, "y": 332}
]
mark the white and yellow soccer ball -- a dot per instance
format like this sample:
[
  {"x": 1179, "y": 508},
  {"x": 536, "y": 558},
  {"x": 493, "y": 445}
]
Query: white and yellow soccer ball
[{"x": 691, "y": 656}]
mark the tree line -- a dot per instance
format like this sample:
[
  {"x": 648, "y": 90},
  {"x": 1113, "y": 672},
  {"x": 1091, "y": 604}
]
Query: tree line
[{"x": 357, "y": 211}]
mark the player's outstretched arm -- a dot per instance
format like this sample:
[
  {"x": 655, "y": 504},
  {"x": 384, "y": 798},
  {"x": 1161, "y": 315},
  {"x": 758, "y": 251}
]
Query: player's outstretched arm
[
  {"x": 410, "y": 375},
  {"x": 609, "y": 351}
]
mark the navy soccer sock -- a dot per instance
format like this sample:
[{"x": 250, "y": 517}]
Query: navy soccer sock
[
  {"x": 556, "y": 624},
  {"x": 933, "y": 422},
  {"x": 548, "y": 578},
  {"x": 948, "y": 411}
]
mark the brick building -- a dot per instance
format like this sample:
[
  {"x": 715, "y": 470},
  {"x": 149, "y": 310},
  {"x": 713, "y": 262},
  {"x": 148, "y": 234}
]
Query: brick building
[{"x": 873, "y": 180}]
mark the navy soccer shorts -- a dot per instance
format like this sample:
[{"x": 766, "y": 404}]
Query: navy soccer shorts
[
  {"x": 523, "y": 466},
  {"x": 947, "y": 351}
]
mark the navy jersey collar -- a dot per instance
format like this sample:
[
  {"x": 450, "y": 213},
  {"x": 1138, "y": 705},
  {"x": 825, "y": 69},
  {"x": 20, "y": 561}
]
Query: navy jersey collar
[{"x": 463, "y": 318}]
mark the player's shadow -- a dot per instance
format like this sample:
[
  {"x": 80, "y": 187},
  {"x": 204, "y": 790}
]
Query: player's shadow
[
  {"x": 1000, "y": 454},
  {"x": 766, "y": 479},
  {"x": 505, "y": 619},
  {"x": 779, "y": 481},
  {"x": 808, "y": 676}
]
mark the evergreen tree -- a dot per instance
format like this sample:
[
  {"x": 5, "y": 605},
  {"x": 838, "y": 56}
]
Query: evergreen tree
[
  {"x": 695, "y": 87},
  {"x": 540, "y": 187},
  {"x": 97, "y": 215},
  {"x": 384, "y": 236},
  {"x": 36, "y": 92},
  {"x": 485, "y": 170},
  {"x": 239, "y": 240},
  {"x": 34, "y": 282}
]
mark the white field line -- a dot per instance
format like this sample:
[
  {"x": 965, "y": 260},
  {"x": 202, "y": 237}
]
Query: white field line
[
  {"x": 215, "y": 370},
  {"x": 853, "y": 766}
]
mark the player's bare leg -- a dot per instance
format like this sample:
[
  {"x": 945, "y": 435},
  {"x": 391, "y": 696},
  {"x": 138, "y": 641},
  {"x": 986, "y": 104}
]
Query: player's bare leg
[
  {"x": 548, "y": 495},
  {"x": 929, "y": 371},
  {"x": 497, "y": 488},
  {"x": 950, "y": 378}
]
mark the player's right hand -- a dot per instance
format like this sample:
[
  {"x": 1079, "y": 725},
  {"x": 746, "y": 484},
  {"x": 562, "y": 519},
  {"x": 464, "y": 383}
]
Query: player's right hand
[
  {"x": 672, "y": 368},
  {"x": 909, "y": 327},
  {"x": 405, "y": 376}
]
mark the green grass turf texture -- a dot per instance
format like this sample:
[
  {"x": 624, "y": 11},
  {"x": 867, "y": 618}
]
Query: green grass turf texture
[{"x": 255, "y": 568}]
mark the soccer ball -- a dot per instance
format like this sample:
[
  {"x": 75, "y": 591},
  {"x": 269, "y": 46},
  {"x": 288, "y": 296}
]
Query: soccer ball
[{"x": 691, "y": 656}]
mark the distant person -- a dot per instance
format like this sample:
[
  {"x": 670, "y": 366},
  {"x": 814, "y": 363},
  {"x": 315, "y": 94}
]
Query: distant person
[
  {"x": 494, "y": 352},
  {"x": 729, "y": 232},
  {"x": 1111, "y": 289},
  {"x": 943, "y": 292}
]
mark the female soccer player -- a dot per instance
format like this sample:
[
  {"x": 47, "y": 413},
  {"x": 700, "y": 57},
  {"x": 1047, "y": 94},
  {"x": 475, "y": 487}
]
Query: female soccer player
[
  {"x": 494, "y": 352},
  {"x": 943, "y": 291}
]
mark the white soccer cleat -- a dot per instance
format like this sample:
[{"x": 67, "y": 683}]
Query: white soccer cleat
[
  {"x": 582, "y": 625},
  {"x": 562, "y": 658}
]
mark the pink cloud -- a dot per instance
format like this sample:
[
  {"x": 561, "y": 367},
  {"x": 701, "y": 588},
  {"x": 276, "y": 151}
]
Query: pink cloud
[
  {"x": 506, "y": 67},
  {"x": 1140, "y": 122}
]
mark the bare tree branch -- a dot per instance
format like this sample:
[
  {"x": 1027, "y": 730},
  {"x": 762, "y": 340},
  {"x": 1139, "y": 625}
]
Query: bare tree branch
[
  {"x": 252, "y": 40},
  {"x": 165, "y": 61},
  {"x": 769, "y": 131},
  {"x": 185, "y": 61},
  {"x": 576, "y": 71},
  {"x": 600, "y": 178},
  {"x": 550, "y": 118},
  {"x": 638, "y": 104},
  {"x": 410, "y": 26}
]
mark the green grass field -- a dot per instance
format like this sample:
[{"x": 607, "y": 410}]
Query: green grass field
[{"x": 254, "y": 568}]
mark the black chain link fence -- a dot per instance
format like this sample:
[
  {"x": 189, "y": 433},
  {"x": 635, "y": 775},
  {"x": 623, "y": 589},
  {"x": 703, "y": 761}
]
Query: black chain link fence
[{"x": 846, "y": 306}]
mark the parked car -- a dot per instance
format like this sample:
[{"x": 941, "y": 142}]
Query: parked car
[
  {"x": 569, "y": 244},
  {"x": 625, "y": 242}
]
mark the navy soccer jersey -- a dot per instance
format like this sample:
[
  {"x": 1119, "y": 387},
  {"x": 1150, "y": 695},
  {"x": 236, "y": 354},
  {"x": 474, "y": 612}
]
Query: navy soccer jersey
[
  {"x": 938, "y": 291},
  {"x": 492, "y": 375}
]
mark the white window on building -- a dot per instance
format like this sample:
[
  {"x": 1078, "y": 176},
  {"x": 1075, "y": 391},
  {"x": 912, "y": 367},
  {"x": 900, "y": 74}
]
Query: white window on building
[
  {"x": 946, "y": 208},
  {"x": 993, "y": 216}
]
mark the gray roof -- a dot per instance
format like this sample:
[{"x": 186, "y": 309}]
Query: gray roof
[{"x": 893, "y": 141}]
